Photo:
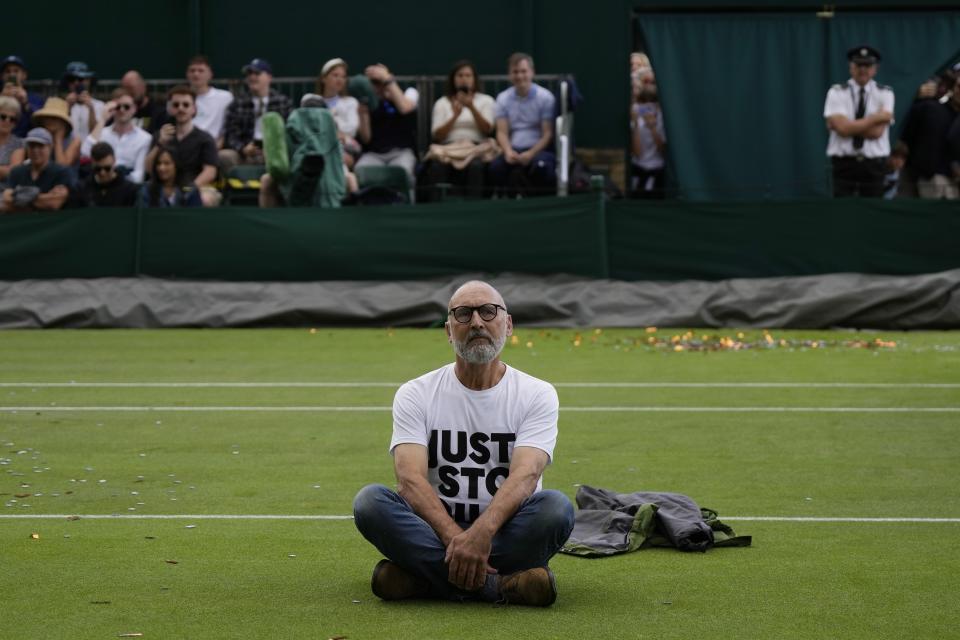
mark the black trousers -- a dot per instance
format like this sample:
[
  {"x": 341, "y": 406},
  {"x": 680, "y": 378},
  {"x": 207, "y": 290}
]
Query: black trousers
[{"x": 858, "y": 176}]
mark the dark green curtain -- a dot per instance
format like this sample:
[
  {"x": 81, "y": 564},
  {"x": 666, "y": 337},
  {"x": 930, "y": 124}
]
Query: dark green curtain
[{"x": 743, "y": 93}]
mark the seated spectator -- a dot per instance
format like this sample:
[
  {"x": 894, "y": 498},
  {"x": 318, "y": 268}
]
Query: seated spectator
[
  {"x": 150, "y": 114},
  {"x": 332, "y": 87},
  {"x": 895, "y": 162},
  {"x": 128, "y": 142},
  {"x": 37, "y": 185},
  {"x": 212, "y": 103},
  {"x": 85, "y": 111},
  {"x": 14, "y": 72},
  {"x": 55, "y": 118},
  {"x": 167, "y": 188},
  {"x": 391, "y": 137},
  {"x": 926, "y": 133},
  {"x": 462, "y": 123},
  {"x": 194, "y": 151},
  {"x": 648, "y": 142},
  {"x": 106, "y": 187},
  {"x": 11, "y": 145},
  {"x": 524, "y": 116},
  {"x": 243, "y": 131}
]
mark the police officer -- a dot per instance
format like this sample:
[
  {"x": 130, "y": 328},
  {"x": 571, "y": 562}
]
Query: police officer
[{"x": 859, "y": 114}]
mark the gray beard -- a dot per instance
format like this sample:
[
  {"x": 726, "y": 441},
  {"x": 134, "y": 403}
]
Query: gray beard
[{"x": 479, "y": 352}]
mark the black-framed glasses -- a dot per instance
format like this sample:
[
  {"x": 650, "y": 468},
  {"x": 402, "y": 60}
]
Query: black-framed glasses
[
  {"x": 464, "y": 314},
  {"x": 124, "y": 106},
  {"x": 102, "y": 168},
  {"x": 5, "y": 117}
]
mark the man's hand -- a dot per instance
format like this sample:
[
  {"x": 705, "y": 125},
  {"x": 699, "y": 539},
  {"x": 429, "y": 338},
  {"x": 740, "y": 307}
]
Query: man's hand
[
  {"x": 16, "y": 92},
  {"x": 526, "y": 157},
  {"x": 85, "y": 98},
  {"x": 467, "y": 559},
  {"x": 7, "y": 202},
  {"x": 167, "y": 132},
  {"x": 511, "y": 156},
  {"x": 377, "y": 73},
  {"x": 251, "y": 151}
]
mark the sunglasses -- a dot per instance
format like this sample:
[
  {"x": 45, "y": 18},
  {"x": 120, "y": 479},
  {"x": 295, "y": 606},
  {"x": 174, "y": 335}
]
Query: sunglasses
[
  {"x": 181, "y": 105},
  {"x": 124, "y": 106},
  {"x": 464, "y": 314},
  {"x": 5, "y": 118},
  {"x": 102, "y": 168}
]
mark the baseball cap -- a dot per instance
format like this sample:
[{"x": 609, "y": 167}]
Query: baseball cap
[
  {"x": 17, "y": 60},
  {"x": 78, "y": 70},
  {"x": 40, "y": 135},
  {"x": 257, "y": 64}
]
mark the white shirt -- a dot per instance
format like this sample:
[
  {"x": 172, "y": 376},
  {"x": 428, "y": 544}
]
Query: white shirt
[
  {"x": 80, "y": 117},
  {"x": 260, "y": 108},
  {"x": 650, "y": 157},
  {"x": 470, "y": 435},
  {"x": 211, "y": 111},
  {"x": 842, "y": 99},
  {"x": 129, "y": 150},
  {"x": 465, "y": 127},
  {"x": 346, "y": 113}
]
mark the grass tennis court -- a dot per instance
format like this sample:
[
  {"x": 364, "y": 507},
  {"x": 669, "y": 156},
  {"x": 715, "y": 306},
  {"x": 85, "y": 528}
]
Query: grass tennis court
[{"x": 824, "y": 429}]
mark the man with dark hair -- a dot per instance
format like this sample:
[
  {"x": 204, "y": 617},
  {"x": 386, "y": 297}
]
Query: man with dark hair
[
  {"x": 194, "y": 151},
  {"x": 150, "y": 115},
  {"x": 212, "y": 103},
  {"x": 38, "y": 184},
  {"x": 243, "y": 132},
  {"x": 469, "y": 519},
  {"x": 105, "y": 187},
  {"x": 13, "y": 73},
  {"x": 128, "y": 142},
  {"x": 525, "y": 114},
  {"x": 927, "y": 133}
]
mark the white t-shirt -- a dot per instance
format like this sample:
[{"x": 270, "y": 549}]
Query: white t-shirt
[
  {"x": 211, "y": 111},
  {"x": 650, "y": 157},
  {"x": 470, "y": 435},
  {"x": 346, "y": 113},
  {"x": 129, "y": 150},
  {"x": 465, "y": 127},
  {"x": 842, "y": 99}
]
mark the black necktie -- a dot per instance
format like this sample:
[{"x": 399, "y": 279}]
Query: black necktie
[{"x": 861, "y": 109}]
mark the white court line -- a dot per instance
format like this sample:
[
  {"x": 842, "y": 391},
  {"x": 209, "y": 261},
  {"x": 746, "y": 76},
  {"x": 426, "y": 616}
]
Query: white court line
[
  {"x": 615, "y": 409},
  {"x": 584, "y": 385},
  {"x": 126, "y": 516}
]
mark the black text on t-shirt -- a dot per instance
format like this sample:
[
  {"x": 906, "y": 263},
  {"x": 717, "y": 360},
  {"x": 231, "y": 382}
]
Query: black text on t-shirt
[{"x": 465, "y": 457}]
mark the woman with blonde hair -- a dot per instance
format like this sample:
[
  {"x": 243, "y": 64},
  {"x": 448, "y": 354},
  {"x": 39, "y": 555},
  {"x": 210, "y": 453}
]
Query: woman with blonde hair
[{"x": 11, "y": 146}]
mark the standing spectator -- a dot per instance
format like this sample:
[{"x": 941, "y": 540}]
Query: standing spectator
[
  {"x": 167, "y": 187},
  {"x": 150, "y": 114},
  {"x": 37, "y": 185},
  {"x": 85, "y": 110},
  {"x": 55, "y": 118},
  {"x": 129, "y": 143},
  {"x": 11, "y": 145},
  {"x": 194, "y": 151},
  {"x": 391, "y": 138},
  {"x": 106, "y": 187},
  {"x": 243, "y": 131},
  {"x": 648, "y": 144},
  {"x": 14, "y": 72},
  {"x": 332, "y": 87},
  {"x": 524, "y": 130},
  {"x": 859, "y": 114},
  {"x": 212, "y": 103},
  {"x": 926, "y": 133},
  {"x": 462, "y": 123}
]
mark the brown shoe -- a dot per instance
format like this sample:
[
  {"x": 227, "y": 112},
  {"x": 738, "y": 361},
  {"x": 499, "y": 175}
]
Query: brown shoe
[
  {"x": 390, "y": 582},
  {"x": 535, "y": 587}
]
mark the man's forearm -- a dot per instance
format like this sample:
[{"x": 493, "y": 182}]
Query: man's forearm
[
  {"x": 515, "y": 489},
  {"x": 420, "y": 495},
  {"x": 541, "y": 144}
]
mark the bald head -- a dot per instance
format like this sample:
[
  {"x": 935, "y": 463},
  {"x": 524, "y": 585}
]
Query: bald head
[
  {"x": 475, "y": 292},
  {"x": 133, "y": 82}
]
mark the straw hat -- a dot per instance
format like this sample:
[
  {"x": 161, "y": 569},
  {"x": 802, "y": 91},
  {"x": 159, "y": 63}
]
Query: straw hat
[{"x": 55, "y": 108}]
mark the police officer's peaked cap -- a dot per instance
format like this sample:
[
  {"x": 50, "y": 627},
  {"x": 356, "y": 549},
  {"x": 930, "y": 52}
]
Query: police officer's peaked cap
[{"x": 863, "y": 54}]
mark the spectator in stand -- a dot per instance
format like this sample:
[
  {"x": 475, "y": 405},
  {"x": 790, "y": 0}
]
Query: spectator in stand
[
  {"x": 14, "y": 72},
  {"x": 524, "y": 116},
  {"x": 37, "y": 185},
  {"x": 167, "y": 188},
  {"x": 895, "y": 163},
  {"x": 150, "y": 114},
  {"x": 462, "y": 123},
  {"x": 55, "y": 118},
  {"x": 332, "y": 87},
  {"x": 648, "y": 139},
  {"x": 243, "y": 132},
  {"x": 926, "y": 132},
  {"x": 85, "y": 110},
  {"x": 194, "y": 151},
  {"x": 106, "y": 187},
  {"x": 391, "y": 138},
  {"x": 11, "y": 145},
  {"x": 212, "y": 103},
  {"x": 128, "y": 142}
]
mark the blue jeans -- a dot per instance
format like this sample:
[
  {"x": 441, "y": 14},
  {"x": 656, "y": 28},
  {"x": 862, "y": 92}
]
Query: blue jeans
[{"x": 529, "y": 539}]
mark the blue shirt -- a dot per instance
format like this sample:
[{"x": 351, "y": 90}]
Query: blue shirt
[{"x": 524, "y": 115}]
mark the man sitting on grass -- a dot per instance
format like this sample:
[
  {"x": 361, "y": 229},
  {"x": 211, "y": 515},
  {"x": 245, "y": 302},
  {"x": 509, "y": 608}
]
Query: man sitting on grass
[{"x": 469, "y": 520}]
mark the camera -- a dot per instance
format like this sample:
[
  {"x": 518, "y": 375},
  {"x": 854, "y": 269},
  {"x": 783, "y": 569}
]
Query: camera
[
  {"x": 13, "y": 79},
  {"x": 80, "y": 87}
]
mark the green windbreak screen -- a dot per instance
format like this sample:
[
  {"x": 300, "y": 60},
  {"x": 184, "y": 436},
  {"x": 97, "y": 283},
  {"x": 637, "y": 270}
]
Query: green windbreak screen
[{"x": 743, "y": 94}]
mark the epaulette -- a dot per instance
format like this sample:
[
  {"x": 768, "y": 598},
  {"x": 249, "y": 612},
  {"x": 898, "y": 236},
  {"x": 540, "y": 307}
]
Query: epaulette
[
  {"x": 884, "y": 87},
  {"x": 840, "y": 86}
]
